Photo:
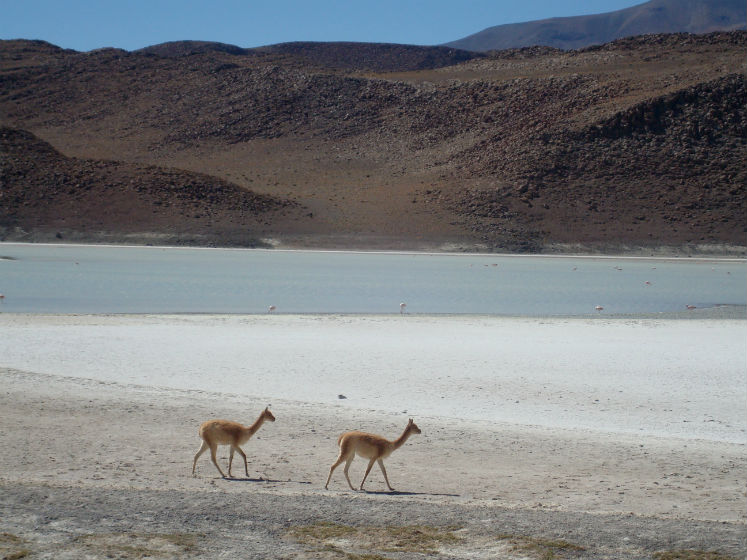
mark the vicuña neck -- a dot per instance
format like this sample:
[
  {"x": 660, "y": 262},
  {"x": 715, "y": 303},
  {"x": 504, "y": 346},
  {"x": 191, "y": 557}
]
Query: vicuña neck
[
  {"x": 402, "y": 439},
  {"x": 257, "y": 423}
]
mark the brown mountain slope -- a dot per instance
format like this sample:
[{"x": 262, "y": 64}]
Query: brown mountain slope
[
  {"x": 62, "y": 197},
  {"x": 682, "y": 157},
  {"x": 637, "y": 143}
]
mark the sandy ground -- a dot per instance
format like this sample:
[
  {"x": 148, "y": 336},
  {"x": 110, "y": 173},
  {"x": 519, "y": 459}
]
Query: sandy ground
[{"x": 101, "y": 469}]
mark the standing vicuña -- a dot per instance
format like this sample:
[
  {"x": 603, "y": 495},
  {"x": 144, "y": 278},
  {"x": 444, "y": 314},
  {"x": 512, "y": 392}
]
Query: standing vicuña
[
  {"x": 370, "y": 446},
  {"x": 225, "y": 432}
]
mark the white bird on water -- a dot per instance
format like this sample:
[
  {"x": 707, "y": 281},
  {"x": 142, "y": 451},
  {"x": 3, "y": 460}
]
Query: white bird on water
[{"x": 402, "y": 307}]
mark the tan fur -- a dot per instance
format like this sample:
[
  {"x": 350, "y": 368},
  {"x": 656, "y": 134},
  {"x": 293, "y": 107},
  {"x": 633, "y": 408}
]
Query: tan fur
[
  {"x": 372, "y": 447},
  {"x": 226, "y": 432}
]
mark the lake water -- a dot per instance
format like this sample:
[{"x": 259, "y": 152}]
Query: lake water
[{"x": 38, "y": 278}]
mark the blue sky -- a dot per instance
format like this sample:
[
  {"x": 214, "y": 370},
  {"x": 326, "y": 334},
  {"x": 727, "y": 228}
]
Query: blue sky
[{"x": 132, "y": 24}]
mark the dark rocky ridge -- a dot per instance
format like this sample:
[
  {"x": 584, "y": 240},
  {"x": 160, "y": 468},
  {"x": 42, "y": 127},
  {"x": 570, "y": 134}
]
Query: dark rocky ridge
[{"x": 346, "y": 56}]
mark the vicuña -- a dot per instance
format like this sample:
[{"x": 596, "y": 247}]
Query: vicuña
[
  {"x": 226, "y": 432},
  {"x": 372, "y": 447}
]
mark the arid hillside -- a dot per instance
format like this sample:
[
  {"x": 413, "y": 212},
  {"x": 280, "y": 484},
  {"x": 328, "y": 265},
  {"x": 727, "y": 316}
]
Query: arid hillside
[
  {"x": 575, "y": 32},
  {"x": 636, "y": 144},
  {"x": 45, "y": 191}
]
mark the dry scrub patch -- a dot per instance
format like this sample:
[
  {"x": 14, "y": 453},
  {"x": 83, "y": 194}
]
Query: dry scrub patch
[
  {"x": 545, "y": 549},
  {"x": 365, "y": 543},
  {"x": 138, "y": 545},
  {"x": 692, "y": 555},
  {"x": 13, "y": 547}
]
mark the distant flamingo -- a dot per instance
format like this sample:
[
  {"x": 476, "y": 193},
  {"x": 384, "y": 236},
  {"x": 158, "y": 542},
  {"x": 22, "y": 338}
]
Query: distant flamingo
[
  {"x": 402, "y": 307},
  {"x": 690, "y": 307},
  {"x": 599, "y": 308},
  {"x": 271, "y": 309}
]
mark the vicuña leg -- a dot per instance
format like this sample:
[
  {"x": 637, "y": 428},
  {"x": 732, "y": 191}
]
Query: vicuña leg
[
  {"x": 383, "y": 470},
  {"x": 230, "y": 461},
  {"x": 368, "y": 470},
  {"x": 347, "y": 468},
  {"x": 241, "y": 452},
  {"x": 197, "y": 455},
  {"x": 336, "y": 464},
  {"x": 213, "y": 449},
  {"x": 342, "y": 457}
]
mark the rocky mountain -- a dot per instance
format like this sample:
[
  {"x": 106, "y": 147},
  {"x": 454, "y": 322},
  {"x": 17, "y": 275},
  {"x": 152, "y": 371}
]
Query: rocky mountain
[
  {"x": 655, "y": 16},
  {"x": 119, "y": 201},
  {"x": 360, "y": 57},
  {"x": 638, "y": 143}
]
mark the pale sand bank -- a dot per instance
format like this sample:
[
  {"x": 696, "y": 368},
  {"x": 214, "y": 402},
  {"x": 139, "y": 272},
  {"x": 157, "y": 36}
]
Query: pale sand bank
[
  {"x": 637, "y": 376},
  {"x": 85, "y": 461}
]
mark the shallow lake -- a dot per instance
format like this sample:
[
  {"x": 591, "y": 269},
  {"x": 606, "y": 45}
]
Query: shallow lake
[{"x": 37, "y": 278}]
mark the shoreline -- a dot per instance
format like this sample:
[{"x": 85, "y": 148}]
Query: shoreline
[
  {"x": 727, "y": 254},
  {"x": 716, "y": 312}
]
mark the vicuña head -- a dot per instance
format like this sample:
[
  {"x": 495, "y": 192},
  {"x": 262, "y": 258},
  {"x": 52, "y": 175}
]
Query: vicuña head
[
  {"x": 226, "y": 432},
  {"x": 372, "y": 447}
]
